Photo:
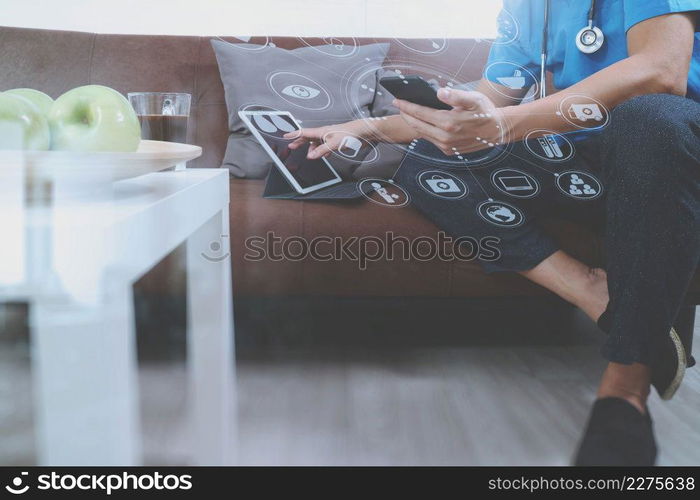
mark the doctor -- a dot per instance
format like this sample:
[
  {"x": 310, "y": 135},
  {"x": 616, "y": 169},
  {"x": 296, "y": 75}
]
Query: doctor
[{"x": 640, "y": 59}]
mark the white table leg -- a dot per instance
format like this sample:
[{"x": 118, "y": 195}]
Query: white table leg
[
  {"x": 86, "y": 387},
  {"x": 210, "y": 343}
]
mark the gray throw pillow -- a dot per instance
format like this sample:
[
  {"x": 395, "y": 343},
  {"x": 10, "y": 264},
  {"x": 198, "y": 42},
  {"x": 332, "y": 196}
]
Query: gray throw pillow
[{"x": 309, "y": 82}]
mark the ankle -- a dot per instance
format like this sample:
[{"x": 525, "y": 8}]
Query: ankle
[
  {"x": 589, "y": 291},
  {"x": 628, "y": 382},
  {"x": 636, "y": 400}
]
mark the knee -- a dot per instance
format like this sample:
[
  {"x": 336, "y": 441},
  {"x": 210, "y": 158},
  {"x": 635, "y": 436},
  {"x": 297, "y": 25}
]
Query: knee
[
  {"x": 653, "y": 135},
  {"x": 646, "y": 120}
]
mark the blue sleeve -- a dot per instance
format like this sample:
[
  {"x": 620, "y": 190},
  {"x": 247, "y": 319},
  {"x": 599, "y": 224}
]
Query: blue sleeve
[
  {"x": 637, "y": 11},
  {"x": 512, "y": 46}
]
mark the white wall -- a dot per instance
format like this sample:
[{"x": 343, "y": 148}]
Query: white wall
[{"x": 443, "y": 18}]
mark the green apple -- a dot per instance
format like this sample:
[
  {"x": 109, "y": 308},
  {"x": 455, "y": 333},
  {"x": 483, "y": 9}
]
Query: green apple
[
  {"x": 22, "y": 125},
  {"x": 39, "y": 99},
  {"x": 94, "y": 118}
]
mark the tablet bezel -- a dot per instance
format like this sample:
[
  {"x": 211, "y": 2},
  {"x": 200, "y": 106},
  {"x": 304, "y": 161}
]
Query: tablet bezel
[{"x": 244, "y": 115}]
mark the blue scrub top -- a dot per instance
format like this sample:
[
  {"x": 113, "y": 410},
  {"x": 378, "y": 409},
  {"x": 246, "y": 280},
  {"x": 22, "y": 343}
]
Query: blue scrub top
[{"x": 520, "y": 38}]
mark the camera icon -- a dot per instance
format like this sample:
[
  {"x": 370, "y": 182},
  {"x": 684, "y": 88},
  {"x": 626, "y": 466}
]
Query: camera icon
[
  {"x": 216, "y": 248},
  {"x": 16, "y": 487},
  {"x": 443, "y": 185}
]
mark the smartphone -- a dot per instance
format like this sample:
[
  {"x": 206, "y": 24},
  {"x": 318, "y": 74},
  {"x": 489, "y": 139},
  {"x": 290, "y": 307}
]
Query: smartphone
[{"x": 415, "y": 89}]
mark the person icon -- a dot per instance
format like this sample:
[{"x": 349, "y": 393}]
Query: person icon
[
  {"x": 575, "y": 179},
  {"x": 579, "y": 185},
  {"x": 573, "y": 189}
]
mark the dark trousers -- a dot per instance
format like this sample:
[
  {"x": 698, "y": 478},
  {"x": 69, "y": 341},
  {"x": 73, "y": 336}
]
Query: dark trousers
[{"x": 637, "y": 181}]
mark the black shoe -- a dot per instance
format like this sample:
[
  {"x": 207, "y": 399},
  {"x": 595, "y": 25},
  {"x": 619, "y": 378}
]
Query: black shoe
[
  {"x": 617, "y": 434},
  {"x": 669, "y": 362}
]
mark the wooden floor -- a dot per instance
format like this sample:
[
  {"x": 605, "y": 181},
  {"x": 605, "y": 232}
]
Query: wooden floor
[{"x": 464, "y": 405}]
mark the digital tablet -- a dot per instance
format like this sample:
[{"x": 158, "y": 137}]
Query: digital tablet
[{"x": 303, "y": 174}]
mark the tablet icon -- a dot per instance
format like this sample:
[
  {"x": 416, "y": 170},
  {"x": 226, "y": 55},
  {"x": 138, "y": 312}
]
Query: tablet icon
[
  {"x": 442, "y": 184},
  {"x": 500, "y": 214},
  {"x": 515, "y": 183},
  {"x": 579, "y": 185}
]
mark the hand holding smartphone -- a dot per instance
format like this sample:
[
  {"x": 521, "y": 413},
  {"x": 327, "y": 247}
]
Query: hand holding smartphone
[{"x": 415, "y": 89}]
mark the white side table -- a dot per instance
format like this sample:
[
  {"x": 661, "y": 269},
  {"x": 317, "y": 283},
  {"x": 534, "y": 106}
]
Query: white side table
[{"x": 76, "y": 262}]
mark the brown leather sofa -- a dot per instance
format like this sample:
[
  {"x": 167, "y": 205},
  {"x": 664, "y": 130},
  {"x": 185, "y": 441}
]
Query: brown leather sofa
[{"x": 56, "y": 61}]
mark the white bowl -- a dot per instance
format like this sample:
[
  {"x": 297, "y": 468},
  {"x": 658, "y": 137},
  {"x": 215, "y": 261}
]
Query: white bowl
[{"x": 67, "y": 167}]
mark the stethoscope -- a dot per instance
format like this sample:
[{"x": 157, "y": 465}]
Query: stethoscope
[{"x": 588, "y": 40}]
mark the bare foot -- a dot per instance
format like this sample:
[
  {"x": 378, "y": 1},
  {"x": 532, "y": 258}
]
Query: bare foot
[{"x": 574, "y": 281}]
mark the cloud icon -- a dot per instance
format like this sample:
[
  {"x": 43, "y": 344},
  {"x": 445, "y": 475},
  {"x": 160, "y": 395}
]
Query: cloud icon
[{"x": 301, "y": 91}]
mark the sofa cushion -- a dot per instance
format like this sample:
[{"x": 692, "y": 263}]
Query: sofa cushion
[{"x": 266, "y": 77}]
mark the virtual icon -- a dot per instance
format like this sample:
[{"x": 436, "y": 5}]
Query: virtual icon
[
  {"x": 16, "y": 487},
  {"x": 515, "y": 183},
  {"x": 301, "y": 91},
  {"x": 500, "y": 214},
  {"x": 550, "y": 146},
  {"x": 350, "y": 146},
  {"x": 585, "y": 112},
  {"x": 332, "y": 46},
  {"x": 335, "y": 42},
  {"x": 384, "y": 194},
  {"x": 515, "y": 82},
  {"x": 507, "y": 28},
  {"x": 579, "y": 185},
  {"x": 272, "y": 124},
  {"x": 512, "y": 76},
  {"x": 424, "y": 46},
  {"x": 442, "y": 184}
]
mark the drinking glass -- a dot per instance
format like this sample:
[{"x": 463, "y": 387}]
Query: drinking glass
[{"x": 163, "y": 115}]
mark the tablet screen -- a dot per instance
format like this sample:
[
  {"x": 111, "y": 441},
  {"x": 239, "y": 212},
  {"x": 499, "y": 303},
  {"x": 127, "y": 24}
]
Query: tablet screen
[{"x": 307, "y": 173}]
